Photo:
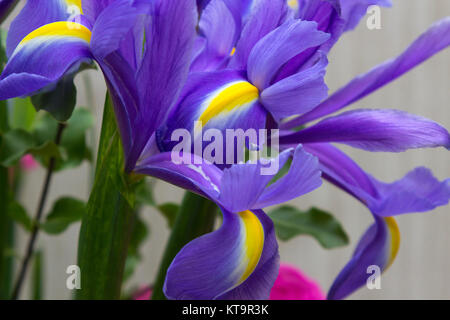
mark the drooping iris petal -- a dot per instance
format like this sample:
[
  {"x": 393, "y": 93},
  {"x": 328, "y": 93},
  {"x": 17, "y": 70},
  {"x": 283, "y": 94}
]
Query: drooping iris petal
[
  {"x": 266, "y": 15},
  {"x": 257, "y": 286},
  {"x": 218, "y": 27},
  {"x": 435, "y": 39},
  {"x": 303, "y": 177},
  {"x": 418, "y": 191},
  {"x": 214, "y": 264},
  {"x": 298, "y": 93},
  {"x": 377, "y": 249},
  {"x": 375, "y": 130},
  {"x": 164, "y": 67},
  {"x": 278, "y": 47},
  {"x": 219, "y": 100},
  {"x": 37, "y": 13},
  {"x": 33, "y": 65}
]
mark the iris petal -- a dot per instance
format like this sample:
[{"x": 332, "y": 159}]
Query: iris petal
[
  {"x": 435, "y": 39},
  {"x": 377, "y": 248},
  {"x": 212, "y": 265},
  {"x": 33, "y": 66},
  {"x": 375, "y": 130}
]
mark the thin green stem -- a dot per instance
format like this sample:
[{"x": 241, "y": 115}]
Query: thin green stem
[{"x": 37, "y": 219}]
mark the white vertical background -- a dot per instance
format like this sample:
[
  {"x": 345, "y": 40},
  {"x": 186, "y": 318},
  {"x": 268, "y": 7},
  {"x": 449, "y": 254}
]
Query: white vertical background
[{"x": 421, "y": 270}]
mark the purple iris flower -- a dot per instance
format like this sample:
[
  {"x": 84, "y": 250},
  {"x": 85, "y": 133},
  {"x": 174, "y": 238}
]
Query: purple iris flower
[
  {"x": 144, "y": 83},
  {"x": 221, "y": 53},
  {"x": 251, "y": 65},
  {"x": 375, "y": 130}
]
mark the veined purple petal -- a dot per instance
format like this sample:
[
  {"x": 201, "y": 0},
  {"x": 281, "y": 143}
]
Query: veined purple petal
[
  {"x": 164, "y": 67},
  {"x": 326, "y": 13},
  {"x": 218, "y": 27},
  {"x": 32, "y": 65},
  {"x": 374, "y": 130},
  {"x": 34, "y": 15},
  {"x": 242, "y": 185},
  {"x": 377, "y": 248},
  {"x": 120, "y": 78},
  {"x": 418, "y": 191},
  {"x": 265, "y": 16},
  {"x": 199, "y": 176},
  {"x": 303, "y": 177},
  {"x": 111, "y": 27},
  {"x": 213, "y": 265},
  {"x": 435, "y": 39},
  {"x": 298, "y": 93},
  {"x": 279, "y": 46}
]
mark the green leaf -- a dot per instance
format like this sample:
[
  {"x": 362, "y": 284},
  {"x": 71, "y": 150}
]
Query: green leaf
[
  {"x": 73, "y": 147},
  {"x": 65, "y": 211},
  {"x": 13, "y": 145},
  {"x": 74, "y": 137},
  {"x": 169, "y": 210},
  {"x": 108, "y": 223},
  {"x": 59, "y": 102},
  {"x": 22, "y": 114},
  {"x": 19, "y": 215},
  {"x": 290, "y": 222}
]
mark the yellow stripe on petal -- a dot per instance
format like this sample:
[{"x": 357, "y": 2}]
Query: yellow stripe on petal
[
  {"x": 232, "y": 97},
  {"x": 394, "y": 234},
  {"x": 60, "y": 28},
  {"x": 253, "y": 244}
]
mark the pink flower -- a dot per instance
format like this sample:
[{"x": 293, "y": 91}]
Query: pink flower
[
  {"x": 143, "y": 294},
  {"x": 28, "y": 163},
  {"x": 292, "y": 284}
]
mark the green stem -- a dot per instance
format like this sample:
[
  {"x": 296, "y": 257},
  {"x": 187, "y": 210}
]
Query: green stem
[
  {"x": 37, "y": 288},
  {"x": 37, "y": 219},
  {"x": 106, "y": 226},
  {"x": 6, "y": 237},
  {"x": 195, "y": 218}
]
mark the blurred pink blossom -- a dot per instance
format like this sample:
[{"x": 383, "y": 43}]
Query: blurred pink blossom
[
  {"x": 143, "y": 294},
  {"x": 292, "y": 284},
  {"x": 28, "y": 163}
]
